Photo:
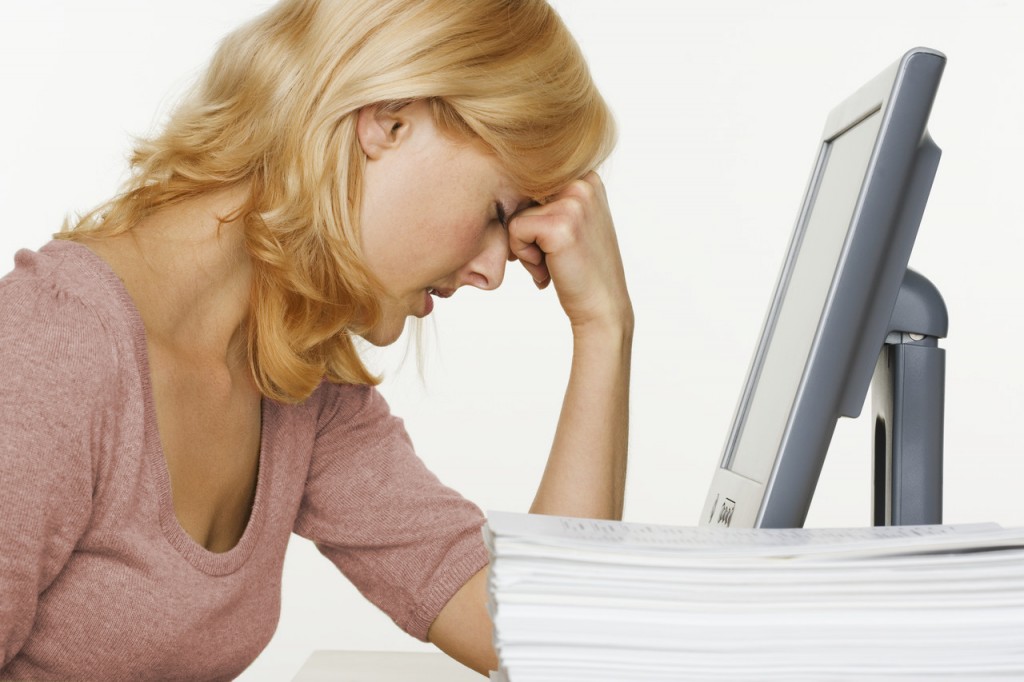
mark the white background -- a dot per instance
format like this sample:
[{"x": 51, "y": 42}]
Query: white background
[{"x": 720, "y": 106}]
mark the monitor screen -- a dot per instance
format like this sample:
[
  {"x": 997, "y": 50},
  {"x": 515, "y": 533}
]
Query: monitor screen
[
  {"x": 827, "y": 321},
  {"x": 844, "y": 162}
]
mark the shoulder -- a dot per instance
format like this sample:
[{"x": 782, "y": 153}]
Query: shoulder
[
  {"x": 354, "y": 422},
  {"x": 61, "y": 355},
  {"x": 334, "y": 403},
  {"x": 58, "y": 325}
]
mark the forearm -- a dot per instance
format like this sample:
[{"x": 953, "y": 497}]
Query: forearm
[{"x": 585, "y": 474}]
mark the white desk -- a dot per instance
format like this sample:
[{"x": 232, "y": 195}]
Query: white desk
[{"x": 384, "y": 666}]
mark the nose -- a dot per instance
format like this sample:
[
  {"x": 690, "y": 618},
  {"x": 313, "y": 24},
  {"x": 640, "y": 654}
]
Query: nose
[{"x": 487, "y": 269}]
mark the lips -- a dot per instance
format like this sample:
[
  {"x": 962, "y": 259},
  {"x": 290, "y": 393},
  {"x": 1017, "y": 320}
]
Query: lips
[{"x": 428, "y": 303}]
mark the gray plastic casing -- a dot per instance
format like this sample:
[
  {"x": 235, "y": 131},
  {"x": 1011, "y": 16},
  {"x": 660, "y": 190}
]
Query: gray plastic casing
[{"x": 856, "y": 317}]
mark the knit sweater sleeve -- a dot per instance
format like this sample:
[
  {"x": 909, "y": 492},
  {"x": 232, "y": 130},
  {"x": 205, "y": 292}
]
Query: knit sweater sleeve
[
  {"x": 406, "y": 541},
  {"x": 57, "y": 368}
]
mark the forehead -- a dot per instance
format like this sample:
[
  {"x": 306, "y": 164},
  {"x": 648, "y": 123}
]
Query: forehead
[{"x": 479, "y": 160}]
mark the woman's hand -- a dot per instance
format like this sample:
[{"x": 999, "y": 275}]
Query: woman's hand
[{"x": 571, "y": 241}]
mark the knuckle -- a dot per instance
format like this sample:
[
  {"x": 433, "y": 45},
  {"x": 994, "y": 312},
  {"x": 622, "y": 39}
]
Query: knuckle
[
  {"x": 576, "y": 209},
  {"x": 583, "y": 189}
]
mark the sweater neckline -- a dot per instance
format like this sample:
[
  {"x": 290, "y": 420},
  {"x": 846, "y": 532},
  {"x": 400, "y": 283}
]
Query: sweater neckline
[{"x": 212, "y": 563}]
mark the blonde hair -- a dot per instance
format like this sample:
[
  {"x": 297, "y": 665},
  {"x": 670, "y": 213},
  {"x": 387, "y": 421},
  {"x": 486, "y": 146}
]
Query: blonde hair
[{"x": 276, "y": 111}]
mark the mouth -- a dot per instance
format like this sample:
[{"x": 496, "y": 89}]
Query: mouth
[{"x": 428, "y": 302}]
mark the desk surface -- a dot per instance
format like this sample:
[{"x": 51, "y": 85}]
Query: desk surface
[{"x": 384, "y": 666}]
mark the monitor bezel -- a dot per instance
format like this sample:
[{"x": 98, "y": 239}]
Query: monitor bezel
[{"x": 853, "y": 325}]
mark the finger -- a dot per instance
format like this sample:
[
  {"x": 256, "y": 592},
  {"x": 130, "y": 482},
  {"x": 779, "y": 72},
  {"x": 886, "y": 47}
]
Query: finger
[
  {"x": 528, "y": 253},
  {"x": 535, "y": 235},
  {"x": 539, "y": 273}
]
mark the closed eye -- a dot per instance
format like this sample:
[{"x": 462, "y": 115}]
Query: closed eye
[{"x": 502, "y": 216}]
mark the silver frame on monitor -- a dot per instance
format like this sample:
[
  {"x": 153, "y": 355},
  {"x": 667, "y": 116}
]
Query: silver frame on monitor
[{"x": 855, "y": 321}]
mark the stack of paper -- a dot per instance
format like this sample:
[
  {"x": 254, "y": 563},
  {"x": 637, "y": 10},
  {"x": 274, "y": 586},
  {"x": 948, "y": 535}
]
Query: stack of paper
[{"x": 590, "y": 600}]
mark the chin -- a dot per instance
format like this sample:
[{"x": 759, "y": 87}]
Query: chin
[{"x": 385, "y": 333}]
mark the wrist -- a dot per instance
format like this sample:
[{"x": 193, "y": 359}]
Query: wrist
[{"x": 616, "y": 330}]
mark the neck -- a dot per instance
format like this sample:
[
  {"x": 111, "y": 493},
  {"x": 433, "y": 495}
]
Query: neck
[{"x": 189, "y": 275}]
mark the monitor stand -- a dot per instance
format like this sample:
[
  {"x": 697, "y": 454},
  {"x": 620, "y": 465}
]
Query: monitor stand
[{"x": 908, "y": 395}]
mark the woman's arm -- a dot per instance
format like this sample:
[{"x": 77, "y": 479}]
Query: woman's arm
[
  {"x": 57, "y": 403},
  {"x": 571, "y": 242},
  {"x": 586, "y": 470}
]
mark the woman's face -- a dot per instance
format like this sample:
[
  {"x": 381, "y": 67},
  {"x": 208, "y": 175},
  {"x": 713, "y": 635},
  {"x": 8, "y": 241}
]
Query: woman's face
[{"x": 433, "y": 214}]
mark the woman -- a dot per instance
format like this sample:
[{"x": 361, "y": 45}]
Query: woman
[{"x": 184, "y": 388}]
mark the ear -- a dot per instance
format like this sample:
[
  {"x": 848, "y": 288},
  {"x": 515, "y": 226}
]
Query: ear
[{"x": 380, "y": 129}]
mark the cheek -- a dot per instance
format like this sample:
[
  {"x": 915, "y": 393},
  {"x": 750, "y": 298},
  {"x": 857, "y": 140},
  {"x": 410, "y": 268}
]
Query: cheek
[
  {"x": 390, "y": 220},
  {"x": 462, "y": 238},
  {"x": 420, "y": 217}
]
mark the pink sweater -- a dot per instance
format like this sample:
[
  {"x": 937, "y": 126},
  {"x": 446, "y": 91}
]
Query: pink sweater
[{"x": 98, "y": 581}]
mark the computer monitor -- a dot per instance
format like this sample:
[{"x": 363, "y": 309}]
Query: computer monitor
[{"x": 830, "y": 313}]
